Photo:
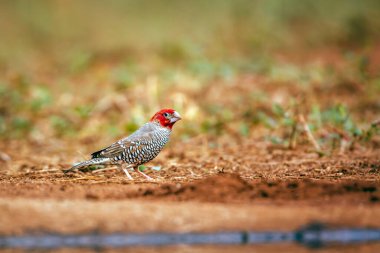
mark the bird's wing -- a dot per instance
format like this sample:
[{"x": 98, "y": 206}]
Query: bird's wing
[{"x": 137, "y": 141}]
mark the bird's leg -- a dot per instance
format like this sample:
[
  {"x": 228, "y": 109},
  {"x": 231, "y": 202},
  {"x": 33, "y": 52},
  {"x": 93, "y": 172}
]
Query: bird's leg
[
  {"x": 125, "y": 167},
  {"x": 145, "y": 175}
]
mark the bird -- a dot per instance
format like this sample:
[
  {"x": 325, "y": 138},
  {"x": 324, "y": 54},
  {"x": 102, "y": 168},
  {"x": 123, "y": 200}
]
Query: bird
[{"x": 138, "y": 148}]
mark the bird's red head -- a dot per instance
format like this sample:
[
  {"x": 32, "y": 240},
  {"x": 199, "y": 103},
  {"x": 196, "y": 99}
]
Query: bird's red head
[{"x": 166, "y": 117}]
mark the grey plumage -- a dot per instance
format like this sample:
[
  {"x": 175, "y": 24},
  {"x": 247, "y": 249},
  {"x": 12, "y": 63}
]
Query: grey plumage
[
  {"x": 136, "y": 149},
  {"x": 93, "y": 161}
]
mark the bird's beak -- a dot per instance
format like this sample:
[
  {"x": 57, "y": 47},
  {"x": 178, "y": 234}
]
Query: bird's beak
[{"x": 175, "y": 117}]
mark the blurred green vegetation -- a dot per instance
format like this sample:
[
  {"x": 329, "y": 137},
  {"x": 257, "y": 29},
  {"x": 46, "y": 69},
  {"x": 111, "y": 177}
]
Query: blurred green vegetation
[{"x": 76, "y": 69}]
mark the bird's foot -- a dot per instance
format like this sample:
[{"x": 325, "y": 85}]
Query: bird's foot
[
  {"x": 127, "y": 174},
  {"x": 145, "y": 175}
]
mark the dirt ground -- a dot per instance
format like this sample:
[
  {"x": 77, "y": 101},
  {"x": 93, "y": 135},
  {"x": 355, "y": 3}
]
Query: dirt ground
[{"x": 222, "y": 185}]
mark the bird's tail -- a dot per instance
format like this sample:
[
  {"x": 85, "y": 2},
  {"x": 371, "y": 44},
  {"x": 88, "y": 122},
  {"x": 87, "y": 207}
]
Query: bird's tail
[{"x": 94, "y": 161}]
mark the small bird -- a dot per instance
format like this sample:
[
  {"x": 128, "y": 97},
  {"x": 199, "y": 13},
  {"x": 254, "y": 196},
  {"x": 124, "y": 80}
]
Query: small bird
[{"x": 140, "y": 147}]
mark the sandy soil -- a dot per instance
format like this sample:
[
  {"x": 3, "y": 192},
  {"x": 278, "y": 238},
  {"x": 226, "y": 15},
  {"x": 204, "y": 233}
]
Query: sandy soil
[{"x": 242, "y": 185}]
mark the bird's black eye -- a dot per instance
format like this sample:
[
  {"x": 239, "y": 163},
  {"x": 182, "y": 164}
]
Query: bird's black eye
[{"x": 166, "y": 114}]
